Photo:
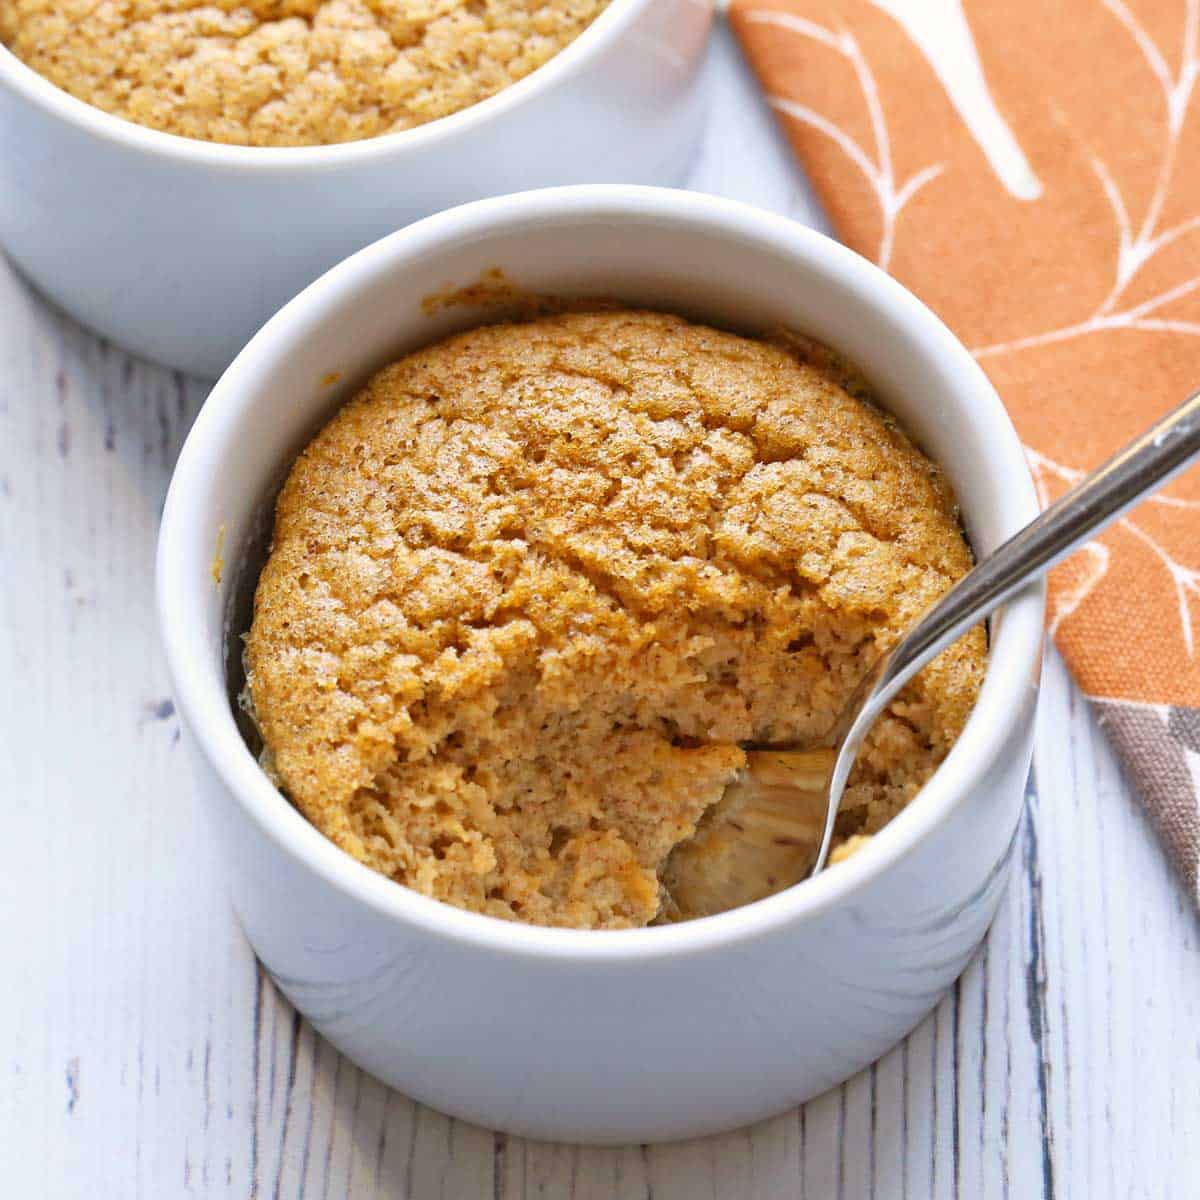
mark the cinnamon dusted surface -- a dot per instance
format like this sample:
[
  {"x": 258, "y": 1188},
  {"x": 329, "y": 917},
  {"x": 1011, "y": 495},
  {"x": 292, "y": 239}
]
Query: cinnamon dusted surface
[
  {"x": 532, "y": 586},
  {"x": 288, "y": 72}
]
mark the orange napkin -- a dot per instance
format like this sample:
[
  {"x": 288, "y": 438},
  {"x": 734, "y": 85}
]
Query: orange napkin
[{"x": 1031, "y": 169}]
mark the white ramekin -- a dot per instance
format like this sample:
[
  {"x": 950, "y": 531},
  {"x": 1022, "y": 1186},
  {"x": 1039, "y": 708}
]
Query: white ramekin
[
  {"x": 179, "y": 249},
  {"x": 627, "y": 1036}
]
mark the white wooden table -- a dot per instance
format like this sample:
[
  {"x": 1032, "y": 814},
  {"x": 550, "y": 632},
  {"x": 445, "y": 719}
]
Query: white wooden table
[{"x": 143, "y": 1054}]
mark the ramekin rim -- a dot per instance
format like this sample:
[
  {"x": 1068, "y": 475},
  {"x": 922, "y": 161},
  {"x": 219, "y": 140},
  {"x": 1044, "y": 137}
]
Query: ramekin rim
[
  {"x": 1012, "y": 668},
  {"x": 130, "y": 136}
]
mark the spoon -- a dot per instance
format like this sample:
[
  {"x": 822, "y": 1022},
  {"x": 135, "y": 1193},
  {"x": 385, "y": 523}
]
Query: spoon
[{"x": 759, "y": 838}]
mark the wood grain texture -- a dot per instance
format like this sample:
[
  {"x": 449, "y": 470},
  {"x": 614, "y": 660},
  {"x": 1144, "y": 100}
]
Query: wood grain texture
[{"x": 143, "y": 1055}]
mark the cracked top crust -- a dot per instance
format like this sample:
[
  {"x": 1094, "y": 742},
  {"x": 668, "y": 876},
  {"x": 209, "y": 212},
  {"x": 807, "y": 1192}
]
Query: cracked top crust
[
  {"x": 288, "y": 72},
  {"x": 531, "y": 587}
]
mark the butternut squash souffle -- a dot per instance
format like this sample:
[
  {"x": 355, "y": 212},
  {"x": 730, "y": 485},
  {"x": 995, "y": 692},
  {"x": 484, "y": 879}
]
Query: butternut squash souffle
[
  {"x": 288, "y": 72},
  {"x": 530, "y": 591}
]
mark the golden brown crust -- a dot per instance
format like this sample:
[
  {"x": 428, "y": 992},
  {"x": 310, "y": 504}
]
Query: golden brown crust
[
  {"x": 288, "y": 72},
  {"x": 529, "y": 589}
]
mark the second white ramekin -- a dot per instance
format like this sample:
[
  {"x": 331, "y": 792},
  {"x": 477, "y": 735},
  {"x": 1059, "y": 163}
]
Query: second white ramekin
[{"x": 179, "y": 249}]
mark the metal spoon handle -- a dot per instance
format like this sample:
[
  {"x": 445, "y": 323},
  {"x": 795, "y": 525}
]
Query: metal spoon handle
[{"x": 1093, "y": 503}]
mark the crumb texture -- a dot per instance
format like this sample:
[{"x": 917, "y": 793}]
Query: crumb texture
[
  {"x": 288, "y": 72},
  {"x": 530, "y": 589}
]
